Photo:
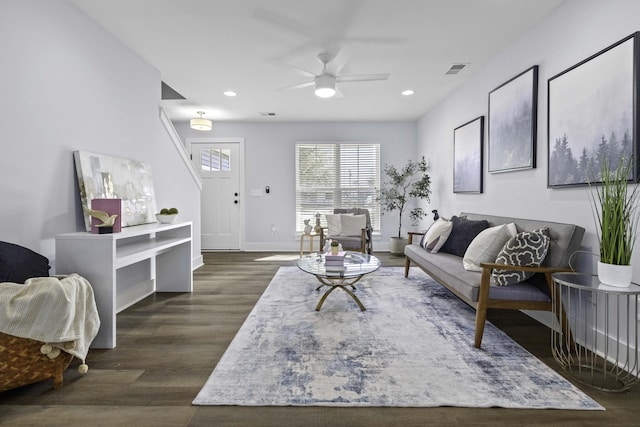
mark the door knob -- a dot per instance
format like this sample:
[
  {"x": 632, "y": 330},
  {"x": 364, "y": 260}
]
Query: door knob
[
  {"x": 235, "y": 194},
  {"x": 235, "y": 201}
]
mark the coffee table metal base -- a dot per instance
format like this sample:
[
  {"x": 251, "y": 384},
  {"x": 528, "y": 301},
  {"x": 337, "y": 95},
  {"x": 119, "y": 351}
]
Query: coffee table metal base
[{"x": 339, "y": 282}]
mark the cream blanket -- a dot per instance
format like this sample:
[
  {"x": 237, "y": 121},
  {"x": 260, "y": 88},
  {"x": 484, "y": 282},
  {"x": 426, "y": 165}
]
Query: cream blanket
[{"x": 59, "y": 311}]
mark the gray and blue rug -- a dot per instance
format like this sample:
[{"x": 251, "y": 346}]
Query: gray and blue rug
[{"x": 412, "y": 347}]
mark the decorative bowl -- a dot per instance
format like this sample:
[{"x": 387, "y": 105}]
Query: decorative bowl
[{"x": 166, "y": 218}]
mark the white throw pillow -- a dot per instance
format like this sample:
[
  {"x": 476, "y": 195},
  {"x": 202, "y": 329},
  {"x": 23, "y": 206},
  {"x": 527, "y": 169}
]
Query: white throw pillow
[
  {"x": 437, "y": 235},
  {"x": 334, "y": 224},
  {"x": 352, "y": 225},
  {"x": 486, "y": 246}
]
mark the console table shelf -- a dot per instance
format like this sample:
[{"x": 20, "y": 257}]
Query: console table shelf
[{"x": 125, "y": 267}]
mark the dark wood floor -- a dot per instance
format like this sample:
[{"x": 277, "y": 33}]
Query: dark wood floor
[{"x": 168, "y": 345}]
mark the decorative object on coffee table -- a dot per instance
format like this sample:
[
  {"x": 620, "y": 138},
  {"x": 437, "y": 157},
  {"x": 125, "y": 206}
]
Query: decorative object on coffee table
[{"x": 404, "y": 186}]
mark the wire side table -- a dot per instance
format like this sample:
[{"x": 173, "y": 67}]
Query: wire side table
[{"x": 599, "y": 347}]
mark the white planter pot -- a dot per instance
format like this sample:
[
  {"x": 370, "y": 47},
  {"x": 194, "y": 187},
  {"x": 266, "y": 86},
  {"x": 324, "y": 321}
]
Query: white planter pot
[
  {"x": 614, "y": 275},
  {"x": 396, "y": 245}
]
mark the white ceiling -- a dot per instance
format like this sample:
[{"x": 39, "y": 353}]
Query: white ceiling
[{"x": 204, "y": 47}]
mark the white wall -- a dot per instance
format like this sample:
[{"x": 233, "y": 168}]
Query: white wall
[
  {"x": 270, "y": 160},
  {"x": 577, "y": 30},
  {"x": 68, "y": 85}
]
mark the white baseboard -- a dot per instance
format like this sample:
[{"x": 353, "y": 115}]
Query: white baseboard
[{"x": 197, "y": 262}]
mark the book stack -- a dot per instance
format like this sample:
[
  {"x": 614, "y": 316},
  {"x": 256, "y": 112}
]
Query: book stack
[{"x": 334, "y": 264}]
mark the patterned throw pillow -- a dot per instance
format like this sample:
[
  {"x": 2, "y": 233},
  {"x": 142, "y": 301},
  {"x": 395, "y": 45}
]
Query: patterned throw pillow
[
  {"x": 527, "y": 249},
  {"x": 462, "y": 234},
  {"x": 436, "y": 236}
]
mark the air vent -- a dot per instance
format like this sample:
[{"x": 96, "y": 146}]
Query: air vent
[
  {"x": 456, "y": 68},
  {"x": 266, "y": 114}
]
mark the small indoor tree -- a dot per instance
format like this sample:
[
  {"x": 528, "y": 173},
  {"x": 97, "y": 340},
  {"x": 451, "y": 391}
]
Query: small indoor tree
[{"x": 404, "y": 186}]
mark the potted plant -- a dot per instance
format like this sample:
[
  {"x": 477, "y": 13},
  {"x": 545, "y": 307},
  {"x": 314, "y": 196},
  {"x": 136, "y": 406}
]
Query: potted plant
[
  {"x": 335, "y": 247},
  {"x": 405, "y": 186},
  {"x": 615, "y": 208}
]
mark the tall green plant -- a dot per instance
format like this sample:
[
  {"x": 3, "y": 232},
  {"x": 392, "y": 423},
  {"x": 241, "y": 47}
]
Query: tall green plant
[
  {"x": 404, "y": 185},
  {"x": 615, "y": 206}
]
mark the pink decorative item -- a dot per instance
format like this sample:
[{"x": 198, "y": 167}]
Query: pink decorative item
[{"x": 110, "y": 206}]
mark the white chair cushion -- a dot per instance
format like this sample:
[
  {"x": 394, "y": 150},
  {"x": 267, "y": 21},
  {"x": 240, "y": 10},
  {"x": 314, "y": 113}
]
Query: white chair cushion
[
  {"x": 352, "y": 225},
  {"x": 334, "y": 224}
]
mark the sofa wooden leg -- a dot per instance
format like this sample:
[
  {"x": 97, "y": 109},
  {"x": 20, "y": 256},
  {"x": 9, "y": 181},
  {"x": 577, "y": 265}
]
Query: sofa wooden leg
[
  {"x": 407, "y": 262},
  {"x": 481, "y": 317}
]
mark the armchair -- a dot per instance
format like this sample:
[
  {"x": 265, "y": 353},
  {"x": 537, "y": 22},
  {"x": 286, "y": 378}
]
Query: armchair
[{"x": 360, "y": 242}]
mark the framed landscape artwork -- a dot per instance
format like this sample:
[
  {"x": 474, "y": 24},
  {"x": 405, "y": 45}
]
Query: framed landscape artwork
[
  {"x": 512, "y": 123},
  {"x": 467, "y": 157},
  {"x": 592, "y": 115},
  {"x": 107, "y": 177}
]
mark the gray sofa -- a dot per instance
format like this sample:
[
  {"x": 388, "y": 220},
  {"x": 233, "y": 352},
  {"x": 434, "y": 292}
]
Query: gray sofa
[{"x": 475, "y": 288}]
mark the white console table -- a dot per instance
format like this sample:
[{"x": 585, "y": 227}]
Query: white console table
[{"x": 123, "y": 268}]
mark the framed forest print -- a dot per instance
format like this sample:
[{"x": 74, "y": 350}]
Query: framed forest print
[
  {"x": 592, "y": 115},
  {"x": 467, "y": 157},
  {"x": 512, "y": 123}
]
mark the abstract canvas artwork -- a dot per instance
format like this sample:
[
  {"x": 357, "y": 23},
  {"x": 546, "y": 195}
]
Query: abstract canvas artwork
[
  {"x": 467, "y": 157},
  {"x": 512, "y": 123},
  {"x": 106, "y": 177},
  {"x": 592, "y": 115}
]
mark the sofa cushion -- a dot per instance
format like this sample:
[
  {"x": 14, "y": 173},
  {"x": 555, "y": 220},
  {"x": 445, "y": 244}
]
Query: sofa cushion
[
  {"x": 352, "y": 225},
  {"x": 487, "y": 245},
  {"x": 17, "y": 263},
  {"x": 447, "y": 270},
  {"x": 462, "y": 234},
  {"x": 527, "y": 249},
  {"x": 436, "y": 235}
]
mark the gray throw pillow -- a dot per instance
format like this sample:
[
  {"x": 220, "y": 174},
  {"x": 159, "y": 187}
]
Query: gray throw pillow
[
  {"x": 462, "y": 234},
  {"x": 526, "y": 249}
]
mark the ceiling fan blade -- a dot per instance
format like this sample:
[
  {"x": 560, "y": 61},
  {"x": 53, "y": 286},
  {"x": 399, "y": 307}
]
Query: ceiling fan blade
[
  {"x": 361, "y": 77},
  {"x": 338, "y": 94},
  {"x": 299, "y": 70},
  {"x": 298, "y": 86},
  {"x": 340, "y": 59}
]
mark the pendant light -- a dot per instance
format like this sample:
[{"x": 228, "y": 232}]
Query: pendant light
[{"x": 200, "y": 123}]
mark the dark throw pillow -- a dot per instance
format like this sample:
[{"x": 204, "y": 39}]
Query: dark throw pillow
[
  {"x": 526, "y": 249},
  {"x": 17, "y": 263},
  {"x": 462, "y": 234}
]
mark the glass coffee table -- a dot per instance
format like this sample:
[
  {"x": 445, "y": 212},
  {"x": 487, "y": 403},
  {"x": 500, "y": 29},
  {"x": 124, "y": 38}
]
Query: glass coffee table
[{"x": 356, "y": 266}]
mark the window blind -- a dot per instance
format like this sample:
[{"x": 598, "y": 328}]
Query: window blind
[{"x": 336, "y": 175}]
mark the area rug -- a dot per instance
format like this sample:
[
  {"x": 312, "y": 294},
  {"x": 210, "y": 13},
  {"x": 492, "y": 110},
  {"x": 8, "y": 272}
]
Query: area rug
[{"x": 412, "y": 347}]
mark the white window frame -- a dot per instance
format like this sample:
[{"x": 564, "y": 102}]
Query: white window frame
[{"x": 334, "y": 189}]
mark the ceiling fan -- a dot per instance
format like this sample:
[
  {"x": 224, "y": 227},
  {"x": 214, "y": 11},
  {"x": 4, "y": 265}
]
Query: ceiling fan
[{"x": 325, "y": 82}]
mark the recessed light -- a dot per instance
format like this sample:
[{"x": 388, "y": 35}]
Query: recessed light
[
  {"x": 408, "y": 92},
  {"x": 230, "y": 93}
]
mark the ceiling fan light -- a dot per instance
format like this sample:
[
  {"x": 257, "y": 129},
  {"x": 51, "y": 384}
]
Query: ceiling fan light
[
  {"x": 200, "y": 123},
  {"x": 325, "y": 86},
  {"x": 325, "y": 92}
]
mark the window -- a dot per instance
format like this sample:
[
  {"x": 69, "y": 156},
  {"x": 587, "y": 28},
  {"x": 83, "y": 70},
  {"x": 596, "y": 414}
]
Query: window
[
  {"x": 215, "y": 160},
  {"x": 336, "y": 175}
]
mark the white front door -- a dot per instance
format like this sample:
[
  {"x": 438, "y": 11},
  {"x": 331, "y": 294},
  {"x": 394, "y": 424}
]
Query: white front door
[{"x": 219, "y": 168}]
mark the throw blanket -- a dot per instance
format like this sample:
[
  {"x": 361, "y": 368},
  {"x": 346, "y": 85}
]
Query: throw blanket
[{"x": 59, "y": 311}]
